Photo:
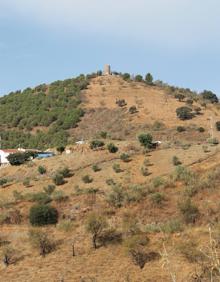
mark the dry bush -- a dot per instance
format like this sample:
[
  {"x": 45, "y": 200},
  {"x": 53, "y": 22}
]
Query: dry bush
[{"x": 41, "y": 241}]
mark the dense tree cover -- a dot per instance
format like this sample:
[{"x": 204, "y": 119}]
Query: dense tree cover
[{"x": 55, "y": 106}]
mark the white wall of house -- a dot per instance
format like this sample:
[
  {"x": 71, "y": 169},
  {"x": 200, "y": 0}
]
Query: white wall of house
[{"x": 3, "y": 157}]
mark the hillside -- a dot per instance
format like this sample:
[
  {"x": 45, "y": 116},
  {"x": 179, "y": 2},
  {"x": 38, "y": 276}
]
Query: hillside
[{"x": 156, "y": 209}]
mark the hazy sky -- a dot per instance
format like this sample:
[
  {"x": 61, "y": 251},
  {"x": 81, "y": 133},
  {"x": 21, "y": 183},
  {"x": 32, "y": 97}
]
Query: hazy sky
[{"x": 178, "y": 41}]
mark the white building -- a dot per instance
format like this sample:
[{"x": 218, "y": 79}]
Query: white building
[{"x": 4, "y": 153}]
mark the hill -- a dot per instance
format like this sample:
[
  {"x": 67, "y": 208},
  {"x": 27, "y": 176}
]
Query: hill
[{"x": 154, "y": 211}]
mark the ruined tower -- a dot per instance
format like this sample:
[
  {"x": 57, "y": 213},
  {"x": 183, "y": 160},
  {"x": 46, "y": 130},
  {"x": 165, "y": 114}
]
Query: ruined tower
[{"x": 107, "y": 70}]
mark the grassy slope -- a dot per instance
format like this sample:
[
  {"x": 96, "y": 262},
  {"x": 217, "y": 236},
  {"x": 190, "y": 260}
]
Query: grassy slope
[{"x": 111, "y": 263}]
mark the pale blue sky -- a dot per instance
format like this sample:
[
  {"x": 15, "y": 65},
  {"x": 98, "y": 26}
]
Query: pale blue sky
[{"x": 178, "y": 41}]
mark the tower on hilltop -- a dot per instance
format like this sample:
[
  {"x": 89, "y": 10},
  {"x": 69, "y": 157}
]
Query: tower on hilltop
[{"x": 107, "y": 70}]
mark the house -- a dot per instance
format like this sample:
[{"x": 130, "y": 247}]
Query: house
[{"x": 4, "y": 153}]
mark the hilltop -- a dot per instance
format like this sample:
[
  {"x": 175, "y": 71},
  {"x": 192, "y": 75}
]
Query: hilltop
[{"x": 156, "y": 205}]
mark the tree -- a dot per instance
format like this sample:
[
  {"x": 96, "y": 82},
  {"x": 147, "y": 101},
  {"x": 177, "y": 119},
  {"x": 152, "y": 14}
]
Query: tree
[
  {"x": 96, "y": 144},
  {"x": 139, "y": 78},
  {"x": 40, "y": 215},
  {"x": 126, "y": 76},
  {"x": 184, "y": 113},
  {"x": 209, "y": 95},
  {"x": 180, "y": 97},
  {"x": 95, "y": 224},
  {"x": 146, "y": 140},
  {"x": 149, "y": 78},
  {"x": 18, "y": 158},
  {"x": 41, "y": 241}
]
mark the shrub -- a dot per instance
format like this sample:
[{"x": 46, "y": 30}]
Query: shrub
[
  {"x": 157, "y": 198},
  {"x": 125, "y": 157},
  {"x": 190, "y": 251},
  {"x": 126, "y": 76},
  {"x": 117, "y": 168},
  {"x": 184, "y": 113},
  {"x": 96, "y": 144},
  {"x": 145, "y": 140},
  {"x": 112, "y": 148},
  {"x": 58, "y": 179},
  {"x": 40, "y": 197},
  {"x": 209, "y": 95},
  {"x": 180, "y": 97},
  {"x": 181, "y": 128},
  {"x": 149, "y": 78},
  {"x": 189, "y": 102},
  {"x": 110, "y": 182},
  {"x": 185, "y": 175},
  {"x": 3, "y": 181},
  {"x": 130, "y": 225},
  {"x": 65, "y": 172},
  {"x": 26, "y": 182},
  {"x": 132, "y": 110},
  {"x": 42, "y": 169},
  {"x": 65, "y": 225},
  {"x": 19, "y": 158},
  {"x": 110, "y": 236},
  {"x": 189, "y": 211},
  {"x": 49, "y": 189},
  {"x": 59, "y": 196},
  {"x": 87, "y": 179},
  {"x": 8, "y": 255},
  {"x": 96, "y": 168},
  {"x": 145, "y": 171},
  {"x": 217, "y": 124},
  {"x": 139, "y": 78},
  {"x": 116, "y": 197},
  {"x": 213, "y": 141},
  {"x": 103, "y": 134},
  {"x": 61, "y": 149},
  {"x": 95, "y": 224},
  {"x": 201, "y": 129},
  {"x": 41, "y": 241},
  {"x": 121, "y": 103},
  {"x": 43, "y": 215},
  {"x": 158, "y": 181},
  {"x": 176, "y": 161}
]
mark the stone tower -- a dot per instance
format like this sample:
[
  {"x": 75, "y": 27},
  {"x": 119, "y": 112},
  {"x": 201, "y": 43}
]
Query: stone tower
[{"x": 107, "y": 70}]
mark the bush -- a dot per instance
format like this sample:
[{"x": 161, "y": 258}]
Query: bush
[
  {"x": 40, "y": 197},
  {"x": 58, "y": 179},
  {"x": 3, "y": 181},
  {"x": 65, "y": 225},
  {"x": 59, "y": 196},
  {"x": 18, "y": 158},
  {"x": 109, "y": 236},
  {"x": 96, "y": 168},
  {"x": 126, "y": 76},
  {"x": 112, "y": 148},
  {"x": 125, "y": 157},
  {"x": 117, "y": 168},
  {"x": 145, "y": 140},
  {"x": 181, "y": 128},
  {"x": 96, "y": 144},
  {"x": 65, "y": 172},
  {"x": 176, "y": 161},
  {"x": 49, "y": 189},
  {"x": 121, "y": 103},
  {"x": 180, "y": 97},
  {"x": 217, "y": 124},
  {"x": 157, "y": 198},
  {"x": 60, "y": 149},
  {"x": 103, "y": 134},
  {"x": 209, "y": 95},
  {"x": 189, "y": 211},
  {"x": 133, "y": 110},
  {"x": 189, "y": 102},
  {"x": 8, "y": 255},
  {"x": 42, "y": 169},
  {"x": 145, "y": 171},
  {"x": 149, "y": 78},
  {"x": 87, "y": 179},
  {"x": 41, "y": 241},
  {"x": 40, "y": 215},
  {"x": 213, "y": 141},
  {"x": 139, "y": 78},
  {"x": 116, "y": 198},
  {"x": 184, "y": 113},
  {"x": 95, "y": 224},
  {"x": 201, "y": 129},
  {"x": 190, "y": 251},
  {"x": 26, "y": 182}
]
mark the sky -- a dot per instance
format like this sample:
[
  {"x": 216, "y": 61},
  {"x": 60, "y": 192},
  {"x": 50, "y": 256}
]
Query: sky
[{"x": 178, "y": 41}]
